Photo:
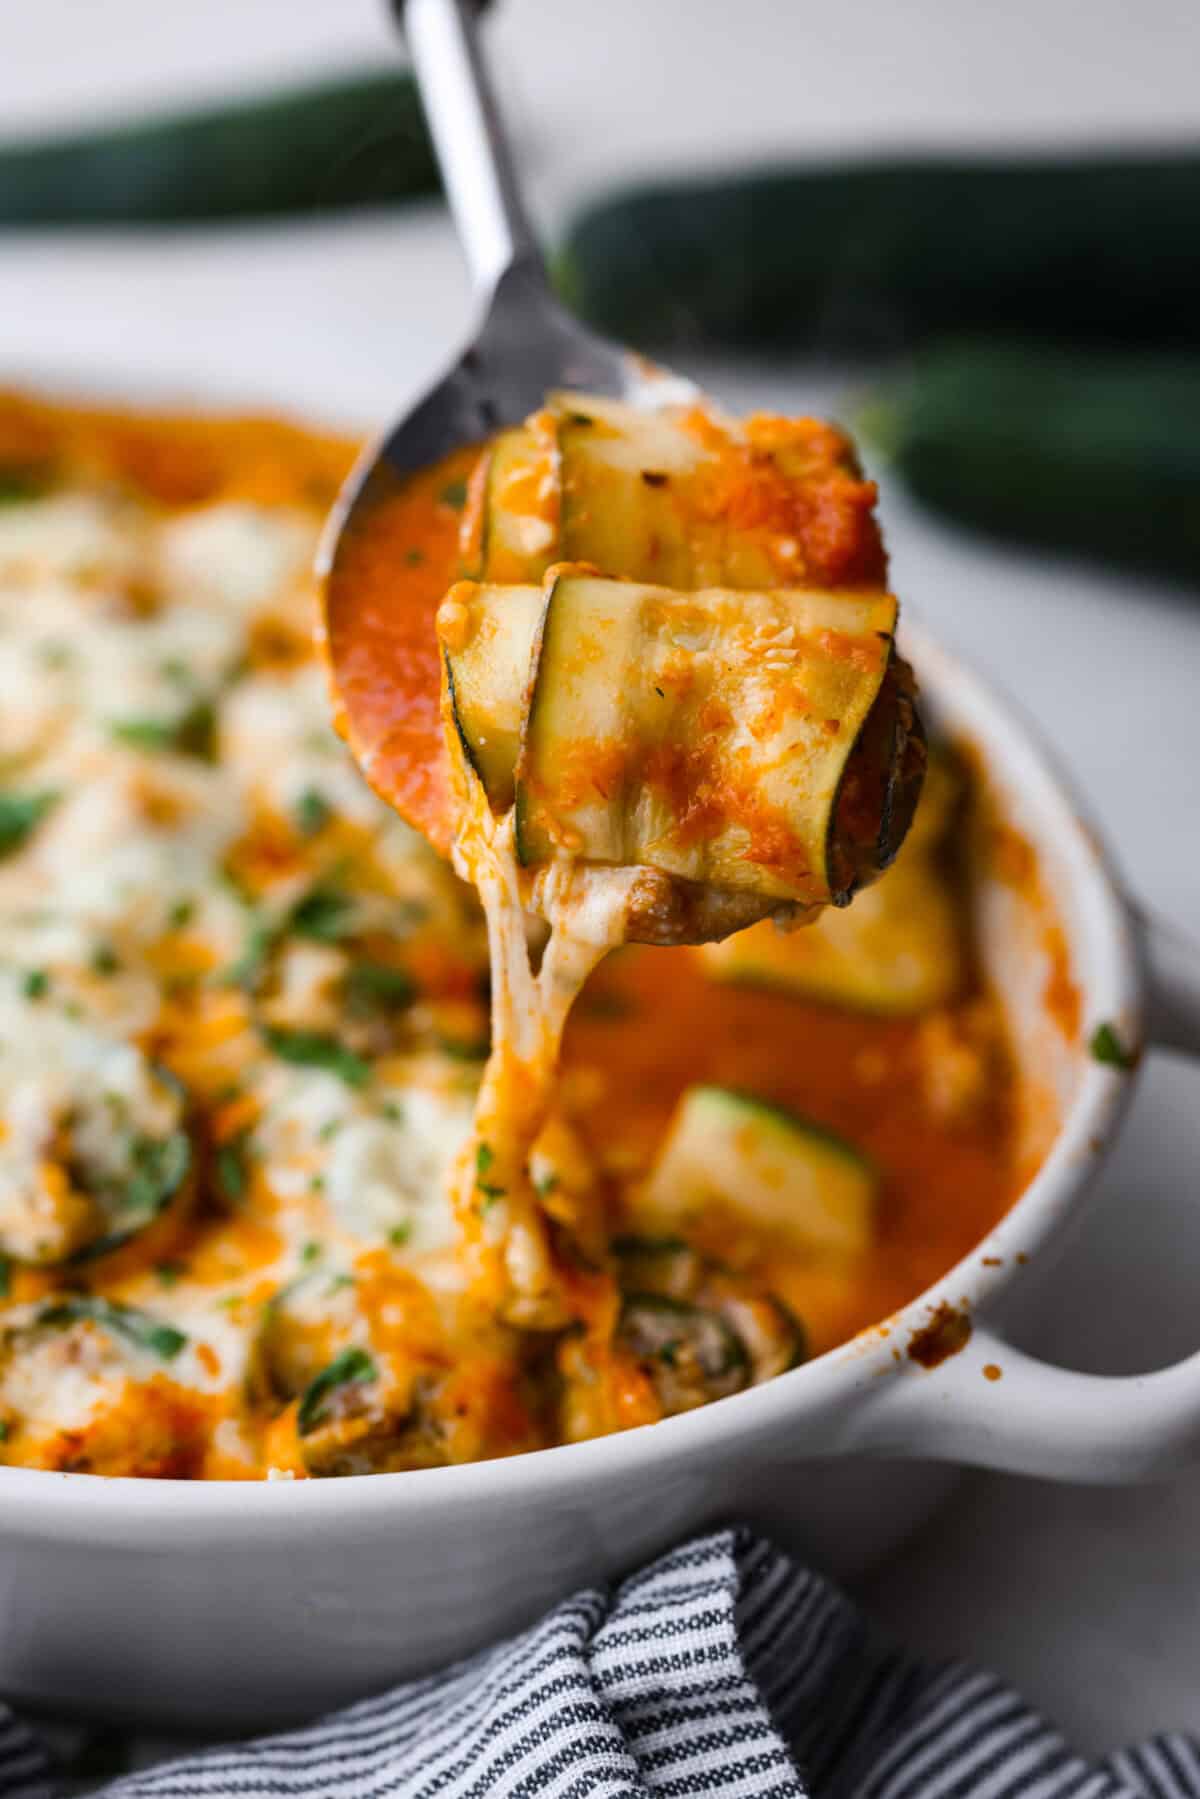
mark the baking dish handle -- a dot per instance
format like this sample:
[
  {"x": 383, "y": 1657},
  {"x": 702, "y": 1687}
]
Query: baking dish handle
[
  {"x": 995, "y": 1407},
  {"x": 1172, "y": 963}
]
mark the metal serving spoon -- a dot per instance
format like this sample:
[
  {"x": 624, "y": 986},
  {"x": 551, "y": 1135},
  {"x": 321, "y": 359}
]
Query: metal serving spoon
[{"x": 525, "y": 345}]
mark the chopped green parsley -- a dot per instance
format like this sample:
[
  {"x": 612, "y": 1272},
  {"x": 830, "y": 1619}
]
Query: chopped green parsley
[
  {"x": 191, "y": 734},
  {"x": 136, "y": 1327},
  {"x": 351, "y": 1368},
  {"x": 1106, "y": 1047},
  {"x": 20, "y": 814},
  {"x": 485, "y": 1156},
  {"x": 316, "y": 1049},
  {"x": 312, "y": 812}
]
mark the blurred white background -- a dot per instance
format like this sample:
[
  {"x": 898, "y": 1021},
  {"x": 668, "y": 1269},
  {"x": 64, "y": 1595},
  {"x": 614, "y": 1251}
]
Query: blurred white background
[{"x": 1085, "y": 1599}]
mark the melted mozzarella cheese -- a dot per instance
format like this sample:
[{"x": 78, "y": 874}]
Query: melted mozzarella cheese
[
  {"x": 80, "y": 537},
  {"x": 56, "y": 1380},
  {"x": 277, "y": 743},
  {"x": 69, "y": 1099},
  {"x": 586, "y": 911},
  {"x": 121, "y": 845},
  {"x": 79, "y": 674},
  {"x": 379, "y": 1159},
  {"x": 301, "y": 1110},
  {"x": 387, "y": 1175},
  {"x": 235, "y": 556},
  {"x": 119, "y": 994}
]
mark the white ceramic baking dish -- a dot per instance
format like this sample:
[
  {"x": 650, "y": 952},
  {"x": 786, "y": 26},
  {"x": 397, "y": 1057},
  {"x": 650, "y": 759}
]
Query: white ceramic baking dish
[{"x": 239, "y": 1604}]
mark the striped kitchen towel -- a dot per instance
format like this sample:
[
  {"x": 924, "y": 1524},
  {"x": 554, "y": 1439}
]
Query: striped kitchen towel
[{"x": 723, "y": 1670}]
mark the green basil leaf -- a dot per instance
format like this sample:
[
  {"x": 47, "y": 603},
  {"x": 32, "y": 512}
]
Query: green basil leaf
[
  {"x": 314, "y": 1049},
  {"x": 371, "y": 985},
  {"x": 191, "y": 734},
  {"x": 312, "y": 812},
  {"x": 485, "y": 1156},
  {"x": 321, "y": 914},
  {"x": 351, "y": 1367},
  {"x": 136, "y": 1327},
  {"x": 461, "y": 1049},
  {"x": 229, "y": 1167},
  {"x": 19, "y": 483},
  {"x": 158, "y": 1168},
  {"x": 1106, "y": 1047},
  {"x": 21, "y": 813},
  {"x": 260, "y": 940}
]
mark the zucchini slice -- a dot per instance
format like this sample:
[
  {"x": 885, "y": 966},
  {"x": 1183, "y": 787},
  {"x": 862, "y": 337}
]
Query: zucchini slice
[
  {"x": 669, "y": 494},
  {"x": 521, "y": 500},
  {"x": 594, "y": 480},
  {"x": 487, "y": 636},
  {"x": 776, "y": 1170},
  {"x": 349, "y": 1410},
  {"x": 627, "y": 499},
  {"x": 682, "y": 497},
  {"x": 899, "y": 950},
  {"x": 153, "y": 1178},
  {"x": 303, "y": 1327},
  {"x": 665, "y": 1265},
  {"x": 690, "y": 1353},
  {"x": 706, "y": 735},
  {"x": 78, "y": 1380},
  {"x": 669, "y": 1270}
]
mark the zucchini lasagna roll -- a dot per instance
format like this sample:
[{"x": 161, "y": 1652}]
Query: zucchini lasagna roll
[{"x": 666, "y": 659}]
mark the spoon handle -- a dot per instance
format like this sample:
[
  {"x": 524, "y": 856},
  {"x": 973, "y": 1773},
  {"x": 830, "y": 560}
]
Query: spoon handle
[{"x": 472, "y": 150}]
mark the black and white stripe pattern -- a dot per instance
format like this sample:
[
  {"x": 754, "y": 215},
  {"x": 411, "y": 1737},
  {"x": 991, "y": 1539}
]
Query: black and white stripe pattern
[{"x": 722, "y": 1671}]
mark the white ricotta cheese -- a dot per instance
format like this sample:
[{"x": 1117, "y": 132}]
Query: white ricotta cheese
[
  {"x": 234, "y": 555},
  {"x": 278, "y": 745},
  {"x": 81, "y": 537},
  {"x": 69, "y": 1098},
  {"x": 386, "y": 1179}
]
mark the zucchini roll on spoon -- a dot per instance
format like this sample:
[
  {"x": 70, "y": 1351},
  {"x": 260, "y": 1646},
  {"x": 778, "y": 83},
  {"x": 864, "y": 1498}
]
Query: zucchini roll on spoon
[{"x": 673, "y": 653}]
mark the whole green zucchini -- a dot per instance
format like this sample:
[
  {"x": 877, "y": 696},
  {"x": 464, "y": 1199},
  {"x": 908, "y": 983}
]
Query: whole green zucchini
[
  {"x": 882, "y": 254},
  {"x": 1099, "y": 455},
  {"x": 356, "y": 141}
]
